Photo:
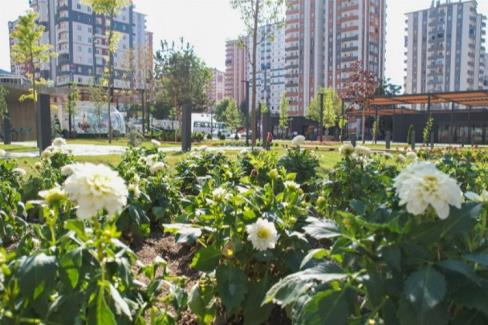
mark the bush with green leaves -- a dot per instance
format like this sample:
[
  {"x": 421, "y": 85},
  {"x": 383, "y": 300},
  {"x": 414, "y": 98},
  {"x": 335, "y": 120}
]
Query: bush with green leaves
[{"x": 304, "y": 163}]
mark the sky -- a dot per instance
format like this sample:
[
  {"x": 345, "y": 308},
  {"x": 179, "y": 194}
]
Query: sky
[{"x": 207, "y": 24}]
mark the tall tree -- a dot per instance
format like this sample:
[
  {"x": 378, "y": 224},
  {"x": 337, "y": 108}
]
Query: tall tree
[
  {"x": 254, "y": 14},
  {"x": 331, "y": 109},
  {"x": 182, "y": 76},
  {"x": 233, "y": 116},
  {"x": 73, "y": 98},
  {"x": 98, "y": 96},
  {"x": 284, "y": 107},
  {"x": 220, "y": 110},
  {"x": 29, "y": 53},
  {"x": 109, "y": 9},
  {"x": 387, "y": 88},
  {"x": 359, "y": 89}
]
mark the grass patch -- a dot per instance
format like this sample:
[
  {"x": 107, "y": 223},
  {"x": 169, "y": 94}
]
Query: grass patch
[{"x": 17, "y": 148}]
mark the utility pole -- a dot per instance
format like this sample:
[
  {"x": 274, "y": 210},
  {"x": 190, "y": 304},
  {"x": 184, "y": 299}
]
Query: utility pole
[{"x": 321, "y": 128}]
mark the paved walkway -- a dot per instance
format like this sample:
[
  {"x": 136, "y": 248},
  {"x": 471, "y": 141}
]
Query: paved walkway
[{"x": 103, "y": 150}]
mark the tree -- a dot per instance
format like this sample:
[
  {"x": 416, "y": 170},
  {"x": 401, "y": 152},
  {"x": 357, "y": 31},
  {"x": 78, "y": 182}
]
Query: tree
[
  {"x": 98, "y": 95},
  {"x": 387, "y": 88},
  {"x": 254, "y": 14},
  {"x": 359, "y": 89},
  {"x": 233, "y": 116},
  {"x": 284, "y": 107},
  {"x": 331, "y": 108},
  {"x": 220, "y": 110},
  {"x": 4, "y": 113},
  {"x": 73, "y": 98},
  {"x": 110, "y": 9},
  {"x": 182, "y": 76}
]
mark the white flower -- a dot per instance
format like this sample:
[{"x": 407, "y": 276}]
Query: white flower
[
  {"x": 96, "y": 187},
  {"x": 262, "y": 235},
  {"x": 291, "y": 185},
  {"x": 298, "y": 141},
  {"x": 134, "y": 189},
  {"x": 19, "y": 172},
  {"x": 59, "y": 142},
  {"x": 219, "y": 194},
  {"x": 50, "y": 151},
  {"x": 3, "y": 153},
  {"x": 411, "y": 156},
  {"x": 157, "y": 167},
  {"x": 53, "y": 195},
  {"x": 151, "y": 159},
  {"x": 421, "y": 185},
  {"x": 156, "y": 143},
  {"x": 346, "y": 149},
  {"x": 481, "y": 198},
  {"x": 362, "y": 151},
  {"x": 69, "y": 170}
]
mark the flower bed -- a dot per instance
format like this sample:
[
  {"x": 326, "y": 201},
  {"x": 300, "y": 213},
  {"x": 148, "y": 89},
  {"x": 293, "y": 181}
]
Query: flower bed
[{"x": 379, "y": 239}]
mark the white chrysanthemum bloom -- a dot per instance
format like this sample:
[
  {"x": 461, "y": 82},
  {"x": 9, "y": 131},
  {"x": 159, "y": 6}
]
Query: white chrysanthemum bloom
[
  {"x": 346, "y": 149},
  {"x": 411, "y": 156},
  {"x": 59, "y": 142},
  {"x": 142, "y": 161},
  {"x": 298, "y": 141},
  {"x": 481, "y": 198},
  {"x": 156, "y": 168},
  {"x": 156, "y": 143},
  {"x": 421, "y": 185},
  {"x": 19, "y": 172},
  {"x": 362, "y": 151},
  {"x": 51, "y": 151},
  {"x": 134, "y": 189},
  {"x": 69, "y": 170},
  {"x": 53, "y": 195},
  {"x": 262, "y": 235},
  {"x": 151, "y": 159},
  {"x": 3, "y": 153},
  {"x": 219, "y": 194},
  {"x": 96, "y": 187},
  {"x": 291, "y": 185}
]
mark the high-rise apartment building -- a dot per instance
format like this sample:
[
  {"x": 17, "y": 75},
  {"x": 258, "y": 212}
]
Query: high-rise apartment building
[
  {"x": 216, "y": 91},
  {"x": 445, "y": 48},
  {"x": 235, "y": 71},
  {"x": 270, "y": 66},
  {"x": 80, "y": 38},
  {"x": 323, "y": 38}
]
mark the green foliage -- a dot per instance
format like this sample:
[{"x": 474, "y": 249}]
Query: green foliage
[
  {"x": 284, "y": 107},
  {"x": 410, "y": 134},
  {"x": 220, "y": 109},
  {"x": 302, "y": 163},
  {"x": 331, "y": 109},
  {"x": 427, "y": 130},
  {"x": 3, "y": 103},
  {"x": 182, "y": 76}
]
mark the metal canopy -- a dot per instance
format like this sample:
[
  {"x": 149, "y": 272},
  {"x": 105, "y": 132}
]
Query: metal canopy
[{"x": 476, "y": 98}]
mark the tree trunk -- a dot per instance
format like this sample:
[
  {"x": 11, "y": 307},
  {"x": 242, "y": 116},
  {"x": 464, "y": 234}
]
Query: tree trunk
[
  {"x": 110, "y": 77},
  {"x": 253, "y": 63},
  {"x": 363, "y": 122}
]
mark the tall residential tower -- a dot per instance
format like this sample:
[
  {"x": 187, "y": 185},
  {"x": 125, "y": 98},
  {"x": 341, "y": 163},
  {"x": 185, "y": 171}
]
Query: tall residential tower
[{"x": 235, "y": 70}]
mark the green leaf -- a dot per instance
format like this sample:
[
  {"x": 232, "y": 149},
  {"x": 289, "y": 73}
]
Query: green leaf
[
  {"x": 206, "y": 259},
  {"x": 187, "y": 234},
  {"x": 460, "y": 267},
  {"x": 289, "y": 289},
  {"x": 77, "y": 227},
  {"x": 103, "y": 313},
  {"x": 201, "y": 303},
  {"x": 314, "y": 254},
  {"x": 326, "y": 307},
  {"x": 120, "y": 303},
  {"x": 37, "y": 274},
  {"x": 321, "y": 229},
  {"x": 253, "y": 312},
  {"x": 231, "y": 286},
  {"x": 425, "y": 289},
  {"x": 461, "y": 221},
  {"x": 480, "y": 258},
  {"x": 408, "y": 315}
]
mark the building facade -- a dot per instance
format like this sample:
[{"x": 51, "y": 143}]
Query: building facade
[
  {"x": 235, "y": 71},
  {"x": 80, "y": 38},
  {"x": 445, "y": 48},
  {"x": 323, "y": 38},
  {"x": 270, "y": 66},
  {"x": 216, "y": 90}
]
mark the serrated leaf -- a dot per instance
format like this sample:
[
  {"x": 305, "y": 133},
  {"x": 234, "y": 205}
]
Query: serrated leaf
[
  {"x": 206, "y": 259},
  {"x": 120, "y": 303},
  {"x": 231, "y": 286},
  {"x": 104, "y": 315},
  {"x": 253, "y": 312},
  {"x": 326, "y": 307}
]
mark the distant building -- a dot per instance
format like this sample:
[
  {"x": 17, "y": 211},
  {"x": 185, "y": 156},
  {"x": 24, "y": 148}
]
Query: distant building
[
  {"x": 324, "y": 38},
  {"x": 79, "y": 36},
  {"x": 270, "y": 66},
  {"x": 235, "y": 71},
  {"x": 216, "y": 91},
  {"x": 445, "y": 48}
]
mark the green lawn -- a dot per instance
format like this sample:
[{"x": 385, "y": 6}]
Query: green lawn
[{"x": 17, "y": 148}]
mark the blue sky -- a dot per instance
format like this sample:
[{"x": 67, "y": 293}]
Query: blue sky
[{"x": 208, "y": 23}]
